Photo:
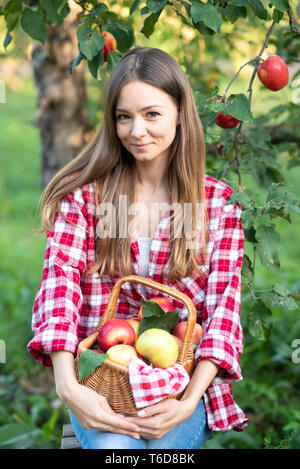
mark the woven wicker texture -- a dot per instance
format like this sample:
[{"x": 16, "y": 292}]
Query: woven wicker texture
[{"x": 111, "y": 379}]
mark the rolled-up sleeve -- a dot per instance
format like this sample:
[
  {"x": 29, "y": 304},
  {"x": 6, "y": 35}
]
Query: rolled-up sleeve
[
  {"x": 59, "y": 298},
  {"x": 222, "y": 340}
]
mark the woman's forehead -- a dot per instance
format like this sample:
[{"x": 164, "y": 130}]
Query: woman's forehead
[{"x": 140, "y": 95}]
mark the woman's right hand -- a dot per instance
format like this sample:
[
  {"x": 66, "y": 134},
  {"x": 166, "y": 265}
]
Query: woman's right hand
[
  {"x": 93, "y": 412},
  {"x": 90, "y": 408}
]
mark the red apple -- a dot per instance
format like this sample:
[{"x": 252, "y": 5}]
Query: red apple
[
  {"x": 115, "y": 331},
  {"x": 121, "y": 353},
  {"x": 164, "y": 303},
  {"x": 158, "y": 346},
  {"x": 180, "y": 328},
  {"x": 110, "y": 43},
  {"x": 227, "y": 121},
  {"x": 273, "y": 73}
]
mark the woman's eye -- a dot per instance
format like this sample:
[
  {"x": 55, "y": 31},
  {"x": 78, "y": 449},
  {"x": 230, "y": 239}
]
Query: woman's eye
[{"x": 153, "y": 114}]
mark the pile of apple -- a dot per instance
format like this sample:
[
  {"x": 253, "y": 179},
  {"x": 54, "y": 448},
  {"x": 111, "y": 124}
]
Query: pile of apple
[{"x": 120, "y": 339}]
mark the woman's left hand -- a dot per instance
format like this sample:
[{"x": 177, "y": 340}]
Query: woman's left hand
[{"x": 158, "y": 419}]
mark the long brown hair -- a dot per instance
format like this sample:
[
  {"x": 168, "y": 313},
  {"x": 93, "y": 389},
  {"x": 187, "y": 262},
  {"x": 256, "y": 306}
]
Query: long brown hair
[{"x": 106, "y": 161}]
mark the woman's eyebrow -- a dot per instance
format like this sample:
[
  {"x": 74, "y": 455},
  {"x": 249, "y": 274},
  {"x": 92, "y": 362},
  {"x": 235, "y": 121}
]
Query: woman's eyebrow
[{"x": 144, "y": 108}]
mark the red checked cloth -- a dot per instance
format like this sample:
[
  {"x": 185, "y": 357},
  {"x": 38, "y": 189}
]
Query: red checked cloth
[{"x": 150, "y": 385}]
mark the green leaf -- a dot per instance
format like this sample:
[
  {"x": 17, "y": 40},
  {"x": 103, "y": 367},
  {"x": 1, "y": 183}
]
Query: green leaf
[
  {"x": 277, "y": 15},
  {"x": 244, "y": 199},
  {"x": 113, "y": 58},
  {"x": 259, "y": 320},
  {"x": 51, "y": 9},
  {"x": 281, "y": 5},
  {"x": 233, "y": 13},
  {"x": 212, "y": 134},
  {"x": 33, "y": 25},
  {"x": 247, "y": 269},
  {"x": 238, "y": 106},
  {"x": 268, "y": 246},
  {"x": 258, "y": 138},
  {"x": 280, "y": 197},
  {"x": 166, "y": 322},
  {"x": 88, "y": 362},
  {"x": 90, "y": 41},
  {"x": 75, "y": 62},
  {"x": 134, "y": 6},
  {"x": 281, "y": 302},
  {"x": 149, "y": 23},
  {"x": 123, "y": 34},
  {"x": 207, "y": 13},
  {"x": 18, "y": 435},
  {"x": 95, "y": 64},
  {"x": 259, "y": 9},
  {"x": 240, "y": 3},
  {"x": 156, "y": 5},
  {"x": 7, "y": 40},
  {"x": 11, "y": 12},
  {"x": 155, "y": 317}
]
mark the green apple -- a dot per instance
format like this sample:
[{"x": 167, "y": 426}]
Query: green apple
[{"x": 158, "y": 346}]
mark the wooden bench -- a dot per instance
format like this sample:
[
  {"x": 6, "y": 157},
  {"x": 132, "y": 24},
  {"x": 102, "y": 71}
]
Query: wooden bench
[{"x": 69, "y": 440}]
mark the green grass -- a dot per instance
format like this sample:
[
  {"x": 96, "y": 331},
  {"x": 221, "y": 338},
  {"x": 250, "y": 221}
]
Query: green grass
[{"x": 267, "y": 394}]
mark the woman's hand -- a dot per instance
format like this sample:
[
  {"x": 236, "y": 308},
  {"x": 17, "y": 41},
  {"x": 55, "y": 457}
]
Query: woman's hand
[
  {"x": 93, "y": 412},
  {"x": 158, "y": 419},
  {"x": 91, "y": 409}
]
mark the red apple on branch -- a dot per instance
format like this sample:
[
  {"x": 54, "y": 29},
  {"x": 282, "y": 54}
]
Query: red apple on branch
[
  {"x": 227, "y": 121},
  {"x": 163, "y": 302},
  {"x": 115, "y": 331},
  {"x": 110, "y": 43},
  {"x": 273, "y": 73}
]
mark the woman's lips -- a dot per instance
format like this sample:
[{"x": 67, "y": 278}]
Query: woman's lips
[{"x": 141, "y": 147}]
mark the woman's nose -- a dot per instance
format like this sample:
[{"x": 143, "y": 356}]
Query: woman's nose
[{"x": 138, "y": 127}]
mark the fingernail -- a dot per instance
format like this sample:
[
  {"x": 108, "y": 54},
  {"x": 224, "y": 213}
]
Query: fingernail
[
  {"x": 137, "y": 437},
  {"x": 141, "y": 413}
]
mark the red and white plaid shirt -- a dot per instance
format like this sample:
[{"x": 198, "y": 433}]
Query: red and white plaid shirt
[{"x": 69, "y": 302}]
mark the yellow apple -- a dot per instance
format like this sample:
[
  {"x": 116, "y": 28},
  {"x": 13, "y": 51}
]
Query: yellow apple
[
  {"x": 121, "y": 353},
  {"x": 135, "y": 324},
  {"x": 158, "y": 346}
]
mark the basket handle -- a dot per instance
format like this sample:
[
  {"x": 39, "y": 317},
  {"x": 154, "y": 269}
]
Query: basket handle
[{"x": 111, "y": 309}]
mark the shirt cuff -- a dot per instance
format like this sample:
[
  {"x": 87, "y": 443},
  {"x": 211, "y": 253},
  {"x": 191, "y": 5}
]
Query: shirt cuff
[
  {"x": 222, "y": 353},
  {"x": 53, "y": 335}
]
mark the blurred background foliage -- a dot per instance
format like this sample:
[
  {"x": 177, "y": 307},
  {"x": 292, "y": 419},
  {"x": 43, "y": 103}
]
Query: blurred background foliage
[{"x": 31, "y": 416}]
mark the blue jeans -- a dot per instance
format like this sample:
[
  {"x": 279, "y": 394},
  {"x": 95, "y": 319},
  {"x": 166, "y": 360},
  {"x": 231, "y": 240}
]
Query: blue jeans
[{"x": 192, "y": 433}]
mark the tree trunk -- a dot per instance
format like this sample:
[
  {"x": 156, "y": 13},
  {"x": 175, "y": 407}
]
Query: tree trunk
[{"x": 61, "y": 114}]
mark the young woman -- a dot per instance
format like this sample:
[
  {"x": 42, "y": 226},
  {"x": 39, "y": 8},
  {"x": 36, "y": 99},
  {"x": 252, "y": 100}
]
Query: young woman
[{"x": 149, "y": 152}]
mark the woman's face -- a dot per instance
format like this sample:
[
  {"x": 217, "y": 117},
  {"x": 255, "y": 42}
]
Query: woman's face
[{"x": 146, "y": 115}]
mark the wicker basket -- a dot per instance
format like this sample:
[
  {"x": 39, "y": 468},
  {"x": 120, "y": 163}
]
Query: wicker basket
[{"x": 111, "y": 379}]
